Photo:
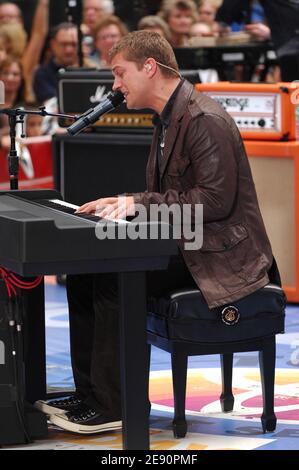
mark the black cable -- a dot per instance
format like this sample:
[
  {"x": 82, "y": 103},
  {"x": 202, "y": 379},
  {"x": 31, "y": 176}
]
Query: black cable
[{"x": 19, "y": 402}]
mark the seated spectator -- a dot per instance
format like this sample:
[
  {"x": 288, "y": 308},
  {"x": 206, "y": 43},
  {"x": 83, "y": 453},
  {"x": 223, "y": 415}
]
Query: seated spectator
[
  {"x": 156, "y": 24},
  {"x": 106, "y": 33},
  {"x": 64, "y": 48},
  {"x": 93, "y": 12},
  {"x": 179, "y": 15}
]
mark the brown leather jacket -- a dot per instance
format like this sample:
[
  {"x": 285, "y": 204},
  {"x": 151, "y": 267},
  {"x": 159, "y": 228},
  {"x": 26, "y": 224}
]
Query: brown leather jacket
[{"x": 204, "y": 162}]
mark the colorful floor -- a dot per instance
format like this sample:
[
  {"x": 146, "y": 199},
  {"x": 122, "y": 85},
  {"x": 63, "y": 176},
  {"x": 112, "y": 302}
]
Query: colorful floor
[{"x": 208, "y": 427}]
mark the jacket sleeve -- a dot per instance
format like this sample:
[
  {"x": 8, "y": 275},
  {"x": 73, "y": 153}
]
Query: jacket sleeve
[{"x": 211, "y": 147}]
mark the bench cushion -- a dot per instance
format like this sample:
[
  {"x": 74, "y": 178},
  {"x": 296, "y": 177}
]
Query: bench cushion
[{"x": 185, "y": 315}]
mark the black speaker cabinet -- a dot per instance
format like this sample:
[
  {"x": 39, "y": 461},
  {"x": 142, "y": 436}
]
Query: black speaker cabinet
[{"x": 90, "y": 166}]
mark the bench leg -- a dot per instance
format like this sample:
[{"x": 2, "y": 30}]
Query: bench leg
[
  {"x": 267, "y": 369},
  {"x": 226, "y": 397},
  {"x": 179, "y": 362}
]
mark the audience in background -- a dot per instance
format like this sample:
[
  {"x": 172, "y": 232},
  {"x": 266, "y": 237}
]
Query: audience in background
[
  {"x": 182, "y": 22},
  {"x": 14, "y": 38},
  {"x": 283, "y": 19}
]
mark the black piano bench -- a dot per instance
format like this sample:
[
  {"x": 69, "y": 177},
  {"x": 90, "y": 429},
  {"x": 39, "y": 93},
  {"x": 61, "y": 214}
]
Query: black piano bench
[{"x": 182, "y": 324}]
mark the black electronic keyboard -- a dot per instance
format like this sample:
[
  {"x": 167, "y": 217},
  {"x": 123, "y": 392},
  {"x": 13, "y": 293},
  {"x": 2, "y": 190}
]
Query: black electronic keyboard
[{"x": 41, "y": 234}]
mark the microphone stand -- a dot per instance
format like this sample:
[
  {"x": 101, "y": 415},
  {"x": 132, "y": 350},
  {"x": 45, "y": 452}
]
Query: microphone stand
[{"x": 16, "y": 116}]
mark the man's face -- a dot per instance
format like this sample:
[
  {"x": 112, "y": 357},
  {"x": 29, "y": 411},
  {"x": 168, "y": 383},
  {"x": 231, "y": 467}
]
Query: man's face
[
  {"x": 9, "y": 13},
  {"x": 93, "y": 11},
  {"x": 65, "y": 47},
  {"x": 131, "y": 81}
]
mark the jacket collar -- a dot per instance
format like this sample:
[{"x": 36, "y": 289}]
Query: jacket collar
[
  {"x": 165, "y": 117},
  {"x": 181, "y": 101},
  {"x": 174, "y": 107},
  {"x": 178, "y": 110}
]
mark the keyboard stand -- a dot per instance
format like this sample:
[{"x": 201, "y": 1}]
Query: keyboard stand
[{"x": 37, "y": 240}]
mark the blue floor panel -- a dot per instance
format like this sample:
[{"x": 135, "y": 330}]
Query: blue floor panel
[{"x": 208, "y": 422}]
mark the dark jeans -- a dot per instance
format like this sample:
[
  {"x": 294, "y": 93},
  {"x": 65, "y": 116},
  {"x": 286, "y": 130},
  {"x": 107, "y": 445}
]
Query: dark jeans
[{"x": 94, "y": 330}]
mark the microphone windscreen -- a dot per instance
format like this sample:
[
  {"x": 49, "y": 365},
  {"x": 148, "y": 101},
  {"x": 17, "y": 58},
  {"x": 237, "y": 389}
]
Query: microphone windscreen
[{"x": 116, "y": 98}]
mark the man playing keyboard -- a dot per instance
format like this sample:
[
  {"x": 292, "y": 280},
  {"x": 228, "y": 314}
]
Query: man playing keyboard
[{"x": 197, "y": 157}]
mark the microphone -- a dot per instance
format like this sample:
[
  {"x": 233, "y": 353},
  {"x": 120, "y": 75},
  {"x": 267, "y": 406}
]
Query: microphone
[{"x": 112, "y": 100}]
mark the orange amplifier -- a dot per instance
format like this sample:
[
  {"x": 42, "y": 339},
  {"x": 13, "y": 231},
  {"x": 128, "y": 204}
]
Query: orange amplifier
[{"x": 262, "y": 111}]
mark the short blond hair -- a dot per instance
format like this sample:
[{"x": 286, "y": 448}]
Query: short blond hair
[{"x": 138, "y": 46}]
